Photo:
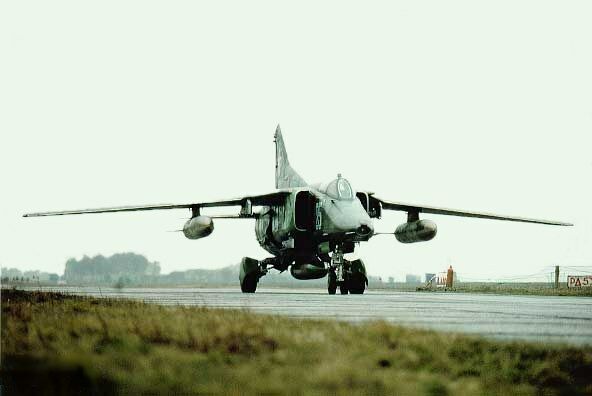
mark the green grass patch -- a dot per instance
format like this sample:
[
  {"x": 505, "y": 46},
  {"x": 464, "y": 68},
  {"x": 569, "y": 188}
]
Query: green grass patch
[{"x": 57, "y": 344}]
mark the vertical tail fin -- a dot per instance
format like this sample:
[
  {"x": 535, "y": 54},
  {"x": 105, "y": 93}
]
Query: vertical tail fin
[{"x": 285, "y": 176}]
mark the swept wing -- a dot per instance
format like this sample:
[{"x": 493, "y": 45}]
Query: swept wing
[
  {"x": 255, "y": 200},
  {"x": 416, "y": 209}
]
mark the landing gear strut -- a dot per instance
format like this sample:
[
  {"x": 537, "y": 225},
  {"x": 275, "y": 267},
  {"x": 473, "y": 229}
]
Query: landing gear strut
[
  {"x": 350, "y": 276},
  {"x": 338, "y": 272}
]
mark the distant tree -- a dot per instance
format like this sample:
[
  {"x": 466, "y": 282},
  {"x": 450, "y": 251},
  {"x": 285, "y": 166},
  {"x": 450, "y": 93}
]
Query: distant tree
[
  {"x": 176, "y": 277},
  {"x": 129, "y": 267},
  {"x": 11, "y": 272},
  {"x": 119, "y": 284}
]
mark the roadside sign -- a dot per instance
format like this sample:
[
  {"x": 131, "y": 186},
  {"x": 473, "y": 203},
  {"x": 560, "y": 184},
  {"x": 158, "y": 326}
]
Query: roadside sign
[{"x": 579, "y": 280}]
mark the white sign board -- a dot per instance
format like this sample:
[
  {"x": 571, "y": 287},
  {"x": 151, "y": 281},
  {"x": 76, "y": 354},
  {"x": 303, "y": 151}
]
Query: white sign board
[
  {"x": 440, "y": 279},
  {"x": 579, "y": 280}
]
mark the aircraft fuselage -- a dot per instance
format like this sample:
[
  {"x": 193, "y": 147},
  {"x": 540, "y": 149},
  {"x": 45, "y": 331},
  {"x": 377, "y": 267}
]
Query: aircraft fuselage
[{"x": 312, "y": 220}]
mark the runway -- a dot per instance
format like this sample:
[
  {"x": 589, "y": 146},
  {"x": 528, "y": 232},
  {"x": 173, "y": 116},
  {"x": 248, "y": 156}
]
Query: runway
[{"x": 532, "y": 318}]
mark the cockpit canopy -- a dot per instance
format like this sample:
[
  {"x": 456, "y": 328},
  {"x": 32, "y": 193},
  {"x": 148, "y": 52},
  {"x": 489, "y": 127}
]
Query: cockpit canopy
[{"x": 340, "y": 189}]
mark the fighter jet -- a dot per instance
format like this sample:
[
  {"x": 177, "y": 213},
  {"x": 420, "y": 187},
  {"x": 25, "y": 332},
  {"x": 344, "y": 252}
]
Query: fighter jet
[{"x": 308, "y": 228}]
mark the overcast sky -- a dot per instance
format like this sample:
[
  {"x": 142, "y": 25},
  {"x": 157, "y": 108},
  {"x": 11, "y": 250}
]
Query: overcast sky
[{"x": 468, "y": 105}]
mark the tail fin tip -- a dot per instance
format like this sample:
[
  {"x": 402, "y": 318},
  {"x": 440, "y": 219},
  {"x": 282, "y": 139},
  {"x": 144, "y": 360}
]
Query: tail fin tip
[{"x": 285, "y": 176}]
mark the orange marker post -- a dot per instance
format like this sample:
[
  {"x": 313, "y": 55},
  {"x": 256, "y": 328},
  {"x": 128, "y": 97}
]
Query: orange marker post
[{"x": 449, "y": 277}]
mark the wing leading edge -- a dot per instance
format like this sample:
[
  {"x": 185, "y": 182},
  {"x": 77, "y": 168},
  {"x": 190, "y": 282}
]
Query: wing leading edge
[
  {"x": 410, "y": 208},
  {"x": 254, "y": 200}
]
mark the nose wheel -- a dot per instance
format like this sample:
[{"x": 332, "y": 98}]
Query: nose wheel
[
  {"x": 332, "y": 282},
  {"x": 343, "y": 287}
]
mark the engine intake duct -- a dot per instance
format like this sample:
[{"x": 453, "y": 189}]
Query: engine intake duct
[{"x": 416, "y": 231}]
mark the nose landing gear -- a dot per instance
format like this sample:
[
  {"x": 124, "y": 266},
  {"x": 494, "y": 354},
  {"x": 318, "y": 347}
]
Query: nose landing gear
[
  {"x": 349, "y": 276},
  {"x": 332, "y": 282}
]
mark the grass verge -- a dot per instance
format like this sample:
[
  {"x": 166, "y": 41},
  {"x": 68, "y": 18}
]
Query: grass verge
[
  {"x": 535, "y": 289},
  {"x": 58, "y": 344}
]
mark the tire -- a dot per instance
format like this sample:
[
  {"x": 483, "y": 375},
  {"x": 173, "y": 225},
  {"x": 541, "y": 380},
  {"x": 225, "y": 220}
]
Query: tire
[
  {"x": 357, "y": 284},
  {"x": 343, "y": 289},
  {"x": 332, "y": 283},
  {"x": 249, "y": 275},
  {"x": 358, "y": 281},
  {"x": 249, "y": 284}
]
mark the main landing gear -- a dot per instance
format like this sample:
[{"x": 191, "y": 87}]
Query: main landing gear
[
  {"x": 250, "y": 272},
  {"x": 349, "y": 276}
]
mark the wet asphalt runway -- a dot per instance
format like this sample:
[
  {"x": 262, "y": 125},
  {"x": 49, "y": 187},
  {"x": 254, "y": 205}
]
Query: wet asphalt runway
[{"x": 533, "y": 318}]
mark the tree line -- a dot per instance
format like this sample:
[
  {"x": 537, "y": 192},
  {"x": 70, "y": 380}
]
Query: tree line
[
  {"x": 121, "y": 267},
  {"x": 131, "y": 269}
]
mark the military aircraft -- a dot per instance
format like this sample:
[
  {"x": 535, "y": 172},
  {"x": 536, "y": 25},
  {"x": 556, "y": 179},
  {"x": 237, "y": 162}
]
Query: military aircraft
[{"x": 309, "y": 227}]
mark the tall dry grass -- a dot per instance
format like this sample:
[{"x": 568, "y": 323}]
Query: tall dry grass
[{"x": 56, "y": 344}]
